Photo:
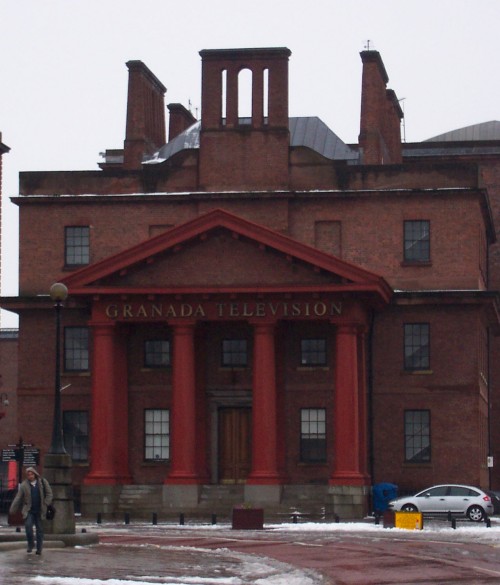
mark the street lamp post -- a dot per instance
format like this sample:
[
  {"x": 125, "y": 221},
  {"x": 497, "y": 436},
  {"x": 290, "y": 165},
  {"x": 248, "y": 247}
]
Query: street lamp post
[
  {"x": 58, "y": 293},
  {"x": 57, "y": 462}
]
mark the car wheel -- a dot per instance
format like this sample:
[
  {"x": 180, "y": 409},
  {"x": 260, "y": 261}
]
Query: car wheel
[
  {"x": 475, "y": 513},
  {"x": 409, "y": 508}
]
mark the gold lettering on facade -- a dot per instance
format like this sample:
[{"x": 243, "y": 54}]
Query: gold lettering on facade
[
  {"x": 112, "y": 311},
  {"x": 320, "y": 309},
  {"x": 141, "y": 312},
  {"x": 235, "y": 309},
  {"x": 199, "y": 312},
  {"x": 186, "y": 310},
  {"x": 156, "y": 310}
]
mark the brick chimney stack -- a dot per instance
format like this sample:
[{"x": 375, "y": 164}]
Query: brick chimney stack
[
  {"x": 180, "y": 119},
  {"x": 145, "y": 130},
  {"x": 381, "y": 115},
  {"x": 240, "y": 150}
]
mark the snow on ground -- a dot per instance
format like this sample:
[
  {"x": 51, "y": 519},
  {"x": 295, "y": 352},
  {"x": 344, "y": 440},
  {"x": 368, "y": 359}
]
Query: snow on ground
[{"x": 251, "y": 568}]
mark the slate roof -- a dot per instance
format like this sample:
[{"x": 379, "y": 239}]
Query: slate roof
[{"x": 309, "y": 132}]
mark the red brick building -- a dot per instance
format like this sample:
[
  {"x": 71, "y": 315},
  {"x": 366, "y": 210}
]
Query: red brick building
[{"x": 257, "y": 304}]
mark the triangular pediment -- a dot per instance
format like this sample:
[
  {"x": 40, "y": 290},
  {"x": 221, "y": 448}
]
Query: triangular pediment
[{"x": 221, "y": 252}]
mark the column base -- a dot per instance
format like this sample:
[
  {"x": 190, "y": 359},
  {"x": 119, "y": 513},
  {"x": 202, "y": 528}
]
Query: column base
[
  {"x": 264, "y": 479},
  {"x": 183, "y": 480},
  {"x": 349, "y": 478},
  {"x": 106, "y": 479},
  {"x": 181, "y": 496},
  {"x": 263, "y": 494},
  {"x": 57, "y": 471}
]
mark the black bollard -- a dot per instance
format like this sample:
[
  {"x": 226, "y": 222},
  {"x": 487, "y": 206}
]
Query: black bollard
[
  {"x": 181, "y": 519},
  {"x": 377, "y": 519},
  {"x": 454, "y": 523},
  {"x": 155, "y": 518},
  {"x": 214, "y": 519},
  {"x": 295, "y": 518},
  {"x": 99, "y": 518},
  {"x": 127, "y": 518},
  {"x": 488, "y": 521},
  {"x": 337, "y": 518}
]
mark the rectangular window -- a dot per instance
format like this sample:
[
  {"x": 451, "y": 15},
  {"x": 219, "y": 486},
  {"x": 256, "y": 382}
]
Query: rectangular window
[
  {"x": 417, "y": 241},
  {"x": 313, "y": 352},
  {"x": 76, "y": 434},
  {"x": 156, "y": 353},
  {"x": 417, "y": 436},
  {"x": 77, "y": 245},
  {"x": 313, "y": 435},
  {"x": 76, "y": 349},
  {"x": 234, "y": 353},
  {"x": 416, "y": 346},
  {"x": 156, "y": 434}
]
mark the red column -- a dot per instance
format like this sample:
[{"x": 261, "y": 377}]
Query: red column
[
  {"x": 183, "y": 468},
  {"x": 264, "y": 413},
  {"x": 109, "y": 419},
  {"x": 363, "y": 406},
  {"x": 346, "y": 424}
]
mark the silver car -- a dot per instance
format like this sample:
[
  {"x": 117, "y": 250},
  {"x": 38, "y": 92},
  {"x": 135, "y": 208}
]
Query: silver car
[{"x": 462, "y": 500}]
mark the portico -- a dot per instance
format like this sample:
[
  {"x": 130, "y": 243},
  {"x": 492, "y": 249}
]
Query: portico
[{"x": 247, "y": 417}]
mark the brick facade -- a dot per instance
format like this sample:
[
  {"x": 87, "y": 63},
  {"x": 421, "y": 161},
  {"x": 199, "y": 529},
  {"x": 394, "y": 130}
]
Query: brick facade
[{"x": 237, "y": 229}]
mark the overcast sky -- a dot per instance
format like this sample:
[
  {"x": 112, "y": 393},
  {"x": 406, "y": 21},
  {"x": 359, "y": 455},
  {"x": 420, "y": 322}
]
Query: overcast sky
[{"x": 63, "y": 79}]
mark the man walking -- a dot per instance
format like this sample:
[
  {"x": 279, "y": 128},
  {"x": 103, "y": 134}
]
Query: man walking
[{"x": 33, "y": 497}]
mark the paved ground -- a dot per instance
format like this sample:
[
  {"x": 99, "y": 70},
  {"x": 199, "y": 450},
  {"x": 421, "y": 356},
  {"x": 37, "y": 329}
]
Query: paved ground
[{"x": 167, "y": 554}]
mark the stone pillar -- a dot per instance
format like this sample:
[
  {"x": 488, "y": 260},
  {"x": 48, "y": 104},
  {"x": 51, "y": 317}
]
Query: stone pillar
[
  {"x": 57, "y": 471},
  {"x": 346, "y": 423},
  {"x": 264, "y": 408},
  {"x": 109, "y": 421},
  {"x": 183, "y": 468}
]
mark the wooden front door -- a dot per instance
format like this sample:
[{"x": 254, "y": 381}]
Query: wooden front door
[{"x": 234, "y": 444}]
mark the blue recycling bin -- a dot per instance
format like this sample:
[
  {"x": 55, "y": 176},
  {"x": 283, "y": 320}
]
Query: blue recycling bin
[{"x": 383, "y": 493}]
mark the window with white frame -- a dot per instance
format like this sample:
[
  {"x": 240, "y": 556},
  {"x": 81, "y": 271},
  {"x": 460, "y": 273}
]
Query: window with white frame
[
  {"x": 313, "y": 435},
  {"x": 156, "y": 434}
]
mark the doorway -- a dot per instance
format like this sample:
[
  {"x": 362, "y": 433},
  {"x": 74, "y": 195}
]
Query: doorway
[{"x": 234, "y": 449}]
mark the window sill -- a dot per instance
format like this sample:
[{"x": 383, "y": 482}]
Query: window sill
[
  {"x": 309, "y": 368},
  {"x": 421, "y": 464},
  {"x": 73, "y": 267},
  {"x": 156, "y": 463},
  {"x": 67, "y": 374},
  {"x": 416, "y": 263},
  {"x": 417, "y": 372}
]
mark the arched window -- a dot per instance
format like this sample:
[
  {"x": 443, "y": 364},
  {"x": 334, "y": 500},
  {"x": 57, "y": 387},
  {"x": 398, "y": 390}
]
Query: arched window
[
  {"x": 223, "y": 95},
  {"x": 266, "y": 96},
  {"x": 245, "y": 96}
]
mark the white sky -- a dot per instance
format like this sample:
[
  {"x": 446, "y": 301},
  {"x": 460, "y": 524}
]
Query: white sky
[{"x": 63, "y": 80}]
